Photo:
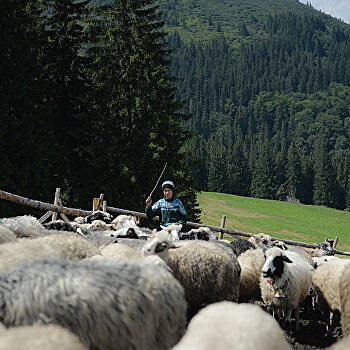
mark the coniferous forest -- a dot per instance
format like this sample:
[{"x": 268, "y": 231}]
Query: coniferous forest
[
  {"x": 95, "y": 97},
  {"x": 270, "y": 102}
]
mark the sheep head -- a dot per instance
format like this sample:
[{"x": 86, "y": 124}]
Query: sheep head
[{"x": 274, "y": 263}]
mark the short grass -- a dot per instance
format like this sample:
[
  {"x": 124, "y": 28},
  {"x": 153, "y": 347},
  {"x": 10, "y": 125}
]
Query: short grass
[{"x": 298, "y": 222}]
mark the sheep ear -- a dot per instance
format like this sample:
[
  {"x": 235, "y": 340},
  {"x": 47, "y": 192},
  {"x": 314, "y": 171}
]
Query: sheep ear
[
  {"x": 173, "y": 246},
  {"x": 286, "y": 259}
]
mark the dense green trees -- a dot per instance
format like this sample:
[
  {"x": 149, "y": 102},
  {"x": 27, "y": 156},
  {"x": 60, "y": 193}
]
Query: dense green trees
[
  {"x": 288, "y": 90},
  {"x": 25, "y": 164},
  {"x": 93, "y": 101},
  {"x": 106, "y": 102}
]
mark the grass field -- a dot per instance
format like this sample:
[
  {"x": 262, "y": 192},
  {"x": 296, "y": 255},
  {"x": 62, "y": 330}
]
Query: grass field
[{"x": 298, "y": 222}]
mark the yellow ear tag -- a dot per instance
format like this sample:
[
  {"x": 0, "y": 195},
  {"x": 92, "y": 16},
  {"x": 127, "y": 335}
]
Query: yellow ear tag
[{"x": 279, "y": 294}]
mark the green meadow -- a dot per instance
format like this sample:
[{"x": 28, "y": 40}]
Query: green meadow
[{"x": 298, "y": 222}]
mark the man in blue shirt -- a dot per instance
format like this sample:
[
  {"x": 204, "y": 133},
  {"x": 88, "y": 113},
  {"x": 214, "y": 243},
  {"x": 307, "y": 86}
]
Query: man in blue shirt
[{"x": 169, "y": 209}]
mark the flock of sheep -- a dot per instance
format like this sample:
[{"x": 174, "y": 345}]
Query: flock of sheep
[{"x": 101, "y": 283}]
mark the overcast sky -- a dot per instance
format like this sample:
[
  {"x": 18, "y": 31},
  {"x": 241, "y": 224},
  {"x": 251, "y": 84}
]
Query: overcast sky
[{"x": 335, "y": 8}]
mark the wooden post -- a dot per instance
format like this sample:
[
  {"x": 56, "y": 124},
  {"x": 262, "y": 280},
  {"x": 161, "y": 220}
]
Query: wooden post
[
  {"x": 335, "y": 242},
  {"x": 64, "y": 217},
  {"x": 51, "y": 213},
  {"x": 223, "y": 221},
  {"x": 45, "y": 216},
  {"x": 57, "y": 198},
  {"x": 97, "y": 203}
]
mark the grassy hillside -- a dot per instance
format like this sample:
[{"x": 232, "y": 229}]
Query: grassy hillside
[{"x": 297, "y": 222}]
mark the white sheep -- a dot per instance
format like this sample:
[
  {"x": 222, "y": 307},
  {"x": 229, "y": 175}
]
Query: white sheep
[
  {"x": 174, "y": 231},
  {"x": 123, "y": 220},
  {"x": 341, "y": 344},
  {"x": 251, "y": 262},
  {"x": 158, "y": 244},
  {"x": 109, "y": 304},
  {"x": 99, "y": 238},
  {"x": 324, "y": 249},
  {"x": 68, "y": 246},
  {"x": 285, "y": 283},
  {"x": 296, "y": 253},
  {"x": 321, "y": 260},
  {"x": 126, "y": 226},
  {"x": 24, "y": 226},
  {"x": 207, "y": 272},
  {"x": 40, "y": 337},
  {"x": 119, "y": 251},
  {"x": 326, "y": 282},
  {"x": 227, "y": 325},
  {"x": 261, "y": 240},
  {"x": 344, "y": 294},
  {"x": 6, "y": 235}
]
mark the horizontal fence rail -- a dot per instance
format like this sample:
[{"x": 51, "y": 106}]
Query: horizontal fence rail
[{"x": 79, "y": 212}]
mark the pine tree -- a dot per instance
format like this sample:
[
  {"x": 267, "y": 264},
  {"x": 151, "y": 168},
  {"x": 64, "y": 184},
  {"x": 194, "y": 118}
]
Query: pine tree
[
  {"x": 137, "y": 124},
  {"x": 238, "y": 171},
  {"x": 65, "y": 85},
  {"x": 262, "y": 185},
  {"x": 25, "y": 165},
  {"x": 293, "y": 173},
  {"x": 325, "y": 183},
  {"x": 217, "y": 161}
]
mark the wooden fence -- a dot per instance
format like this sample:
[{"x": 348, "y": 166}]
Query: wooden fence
[{"x": 100, "y": 204}]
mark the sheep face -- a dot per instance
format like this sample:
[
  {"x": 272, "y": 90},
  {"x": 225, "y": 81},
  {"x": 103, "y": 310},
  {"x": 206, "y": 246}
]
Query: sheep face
[
  {"x": 156, "y": 247},
  {"x": 326, "y": 249},
  {"x": 274, "y": 265}
]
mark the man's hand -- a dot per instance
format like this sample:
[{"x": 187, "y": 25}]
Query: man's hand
[{"x": 149, "y": 202}]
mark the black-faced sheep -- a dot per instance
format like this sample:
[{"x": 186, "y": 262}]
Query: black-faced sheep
[
  {"x": 227, "y": 325},
  {"x": 240, "y": 245},
  {"x": 109, "y": 304},
  {"x": 324, "y": 249},
  {"x": 60, "y": 225},
  {"x": 285, "y": 283},
  {"x": 201, "y": 233},
  {"x": 99, "y": 215}
]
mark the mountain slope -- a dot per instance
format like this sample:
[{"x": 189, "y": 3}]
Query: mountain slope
[
  {"x": 237, "y": 20},
  {"x": 239, "y": 62}
]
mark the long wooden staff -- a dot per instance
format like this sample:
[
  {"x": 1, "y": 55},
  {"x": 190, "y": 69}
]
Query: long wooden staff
[{"x": 158, "y": 179}]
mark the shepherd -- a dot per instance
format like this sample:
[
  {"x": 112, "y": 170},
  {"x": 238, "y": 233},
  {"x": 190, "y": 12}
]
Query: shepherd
[{"x": 169, "y": 209}]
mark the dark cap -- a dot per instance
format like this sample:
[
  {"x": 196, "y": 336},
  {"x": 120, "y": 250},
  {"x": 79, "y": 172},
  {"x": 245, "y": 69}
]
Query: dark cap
[{"x": 168, "y": 184}]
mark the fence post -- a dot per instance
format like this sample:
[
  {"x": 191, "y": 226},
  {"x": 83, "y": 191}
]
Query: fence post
[
  {"x": 335, "y": 242},
  {"x": 97, "y": 203},
  {"x": 223, "y": 221},
  {"x": 57, "y": 197}
]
